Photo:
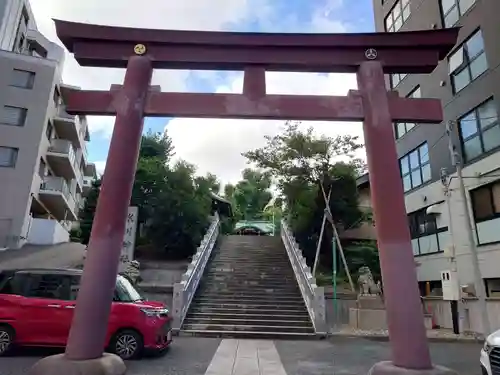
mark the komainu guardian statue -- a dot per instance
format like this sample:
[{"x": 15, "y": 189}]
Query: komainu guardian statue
[{"x": 366, "y": 284}]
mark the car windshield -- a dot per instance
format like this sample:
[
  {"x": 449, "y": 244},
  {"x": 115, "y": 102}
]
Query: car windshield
[{"x": 126, "y": 291}]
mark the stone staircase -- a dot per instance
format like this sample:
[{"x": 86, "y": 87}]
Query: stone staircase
[{"x": 249, "y": 290}]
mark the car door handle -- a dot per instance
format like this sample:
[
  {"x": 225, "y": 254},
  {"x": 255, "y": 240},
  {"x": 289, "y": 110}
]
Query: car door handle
[
  {"x": 69, "y": 307},
  {"x": 54, "y": 306}
]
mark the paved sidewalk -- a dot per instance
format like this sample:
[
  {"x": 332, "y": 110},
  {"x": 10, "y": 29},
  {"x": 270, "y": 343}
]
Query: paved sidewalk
[
  {"x": 57, "y": 256},
  {"x": 246, "y": 357}
]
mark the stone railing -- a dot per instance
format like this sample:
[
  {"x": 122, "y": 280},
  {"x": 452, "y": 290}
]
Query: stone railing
[
  {"x": 313, "y": 295},
  {"x": 185, "y": 290}
]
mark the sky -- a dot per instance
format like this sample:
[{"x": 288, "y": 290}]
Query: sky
[{"x": 213, "y": 145}]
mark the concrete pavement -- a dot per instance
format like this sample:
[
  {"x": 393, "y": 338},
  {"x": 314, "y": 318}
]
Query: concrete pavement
[
  {"x": 201, "y": 356},
  {"x": 56, "y": 256}
]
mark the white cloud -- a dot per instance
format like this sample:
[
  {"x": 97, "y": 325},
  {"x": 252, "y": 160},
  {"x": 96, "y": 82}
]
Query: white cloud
[
  {"x": 161, "y": 14},
  {"x": 215, "y": 145},
  {"x": 99, "y": 166}
]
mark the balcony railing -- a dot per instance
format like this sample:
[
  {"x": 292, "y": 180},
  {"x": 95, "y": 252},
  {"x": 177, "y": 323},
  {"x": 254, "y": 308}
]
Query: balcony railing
[
  {"x": 58, "y": 184},
  {"x": 63, "y": 146}
]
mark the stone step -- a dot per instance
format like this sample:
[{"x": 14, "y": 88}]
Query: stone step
[
  {"x": 250, "y": 276},
  {"x": 246, "y": 328},
  {"x": 258, "y": 261},
  {"x": 264, "y": 284},
  {"x": 252, "y": 297},
  {"x": 257, "y": 335},
  {"x": 250, "y": 302},
  {"x": 242, "y": 264},
  {"x": 247, "y": 322},
  {"x": 236, "y": 311},
  {"x": 248, "y": 292},
  {"x": 220, "y": 275},
  {"x": 247, "y": 306},
  {"x": 297, "y": 316}
]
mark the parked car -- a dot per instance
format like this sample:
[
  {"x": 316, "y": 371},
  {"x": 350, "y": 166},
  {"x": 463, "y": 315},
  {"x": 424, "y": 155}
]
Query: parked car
[
  {"x": 37, "y": 305},
  {"x": 490, "y": 355}
]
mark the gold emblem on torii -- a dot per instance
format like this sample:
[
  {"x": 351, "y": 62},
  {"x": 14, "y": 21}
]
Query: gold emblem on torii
[{"x": 140, "y": 49}]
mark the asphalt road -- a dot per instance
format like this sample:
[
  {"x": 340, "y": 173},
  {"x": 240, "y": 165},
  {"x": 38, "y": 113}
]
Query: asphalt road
[{"x": 339, "y": 356}]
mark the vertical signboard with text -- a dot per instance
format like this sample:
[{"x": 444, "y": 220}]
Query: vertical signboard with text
[{"x": 128, "y": 245}]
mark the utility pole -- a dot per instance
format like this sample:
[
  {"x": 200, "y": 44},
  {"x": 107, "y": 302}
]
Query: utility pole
[
  {"x": 480, "y": 290},
  {"x": 446, "y": 181}
]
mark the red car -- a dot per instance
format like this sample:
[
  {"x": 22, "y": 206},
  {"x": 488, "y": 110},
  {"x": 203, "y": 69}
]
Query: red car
[{"x": 36, "y": 309}]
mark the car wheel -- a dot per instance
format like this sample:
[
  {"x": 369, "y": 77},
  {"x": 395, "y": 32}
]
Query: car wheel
[
  {"x": 127, "y": 344},
  {"x": 6, "y": 339}
]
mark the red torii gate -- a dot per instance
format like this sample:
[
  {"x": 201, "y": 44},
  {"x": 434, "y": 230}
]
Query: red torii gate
[{"x": 370, "y": 56}]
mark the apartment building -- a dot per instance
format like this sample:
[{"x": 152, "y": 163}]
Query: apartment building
[
  {"x": 44, "y": 170},
  {"x": 468, "y": 84}
]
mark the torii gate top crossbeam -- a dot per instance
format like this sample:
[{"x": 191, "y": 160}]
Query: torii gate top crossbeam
[{"x": 402, "y": 52}]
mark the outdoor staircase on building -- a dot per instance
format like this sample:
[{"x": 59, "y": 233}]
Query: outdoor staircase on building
[{"x": 249, "y": 290}]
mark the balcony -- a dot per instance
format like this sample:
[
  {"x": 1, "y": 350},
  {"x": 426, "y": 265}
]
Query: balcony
[
  {"x": 63, "y": 160},
  {"x": 55, "y": 195},
  {"x": 67, "y": 126},
  {"x": 90, "y": 170},
  {"x": 87, "y": 184}
]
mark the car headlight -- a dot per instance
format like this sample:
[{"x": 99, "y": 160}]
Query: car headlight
[
  {"x": 487, "y": 347},
  {"x": 155, "y": 312}
]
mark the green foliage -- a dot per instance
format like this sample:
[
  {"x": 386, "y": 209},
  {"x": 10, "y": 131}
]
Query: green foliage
[
  {"x": 180, "y": 217},
  {"x": 250, "y": 195},
  {"x": 174, "y": 205},
  {"x": 363, "y": 253},
  {"x": 86, "y": 215},
  {"x": 75, "y": 235},
  {"x": 302, "y": 164}
]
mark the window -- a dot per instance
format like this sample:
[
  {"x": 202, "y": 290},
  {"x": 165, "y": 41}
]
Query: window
[
  {"x": 22, "y": 78},
  {"x": 396, "y": 79},
  {"x": 427, "y": 238},
  {"x": 401, "y": 128},
  {"x": 452, "y": 10},
  {"x": 49, "y": 130},
  {"x": 48, "y": 286},
  {"x": 8, "y": 156},
  {"x": 22, "y": 28},
  {"x": 415, "y": 167},
  {"x": 486, "y": 210},
  {"x": 486, "y": 202},
  {"x": 479, "y": 130},
  {"x": 9, "y": 284},
  {"x": 468, "y": 62},
  {"x": 13, "y": 115},
  {"x": 397, "y": 16}
]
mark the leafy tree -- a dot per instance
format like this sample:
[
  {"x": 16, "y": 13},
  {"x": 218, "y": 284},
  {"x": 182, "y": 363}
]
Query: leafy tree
[
  {"x": 363, "y": 253},
  {"x": 86, "y": 215},
  {"x": 251, "y": 194},
  {"x": 173, "y": 204},
  {"x": 180, "y": 217},
  {"x": 303, "y": 165}
]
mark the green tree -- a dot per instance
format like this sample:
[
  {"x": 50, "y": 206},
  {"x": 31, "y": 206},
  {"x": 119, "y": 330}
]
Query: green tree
[
  {"x": 86, "y": 215},
  {"x": 303, "y": 164},
  {"x": 174, "y": 205},
  {"x": 252, "y": 193},
  {"x": 181, "y": 216}
]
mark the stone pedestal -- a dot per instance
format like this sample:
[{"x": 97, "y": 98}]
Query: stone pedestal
[
  {"x": 370, "y": 302},
  {"x": 388, "y": 368},
  {"x": 369, "y": 315},
  {"x": 108, "y": 364}
]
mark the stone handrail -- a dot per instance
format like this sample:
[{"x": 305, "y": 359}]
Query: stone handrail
[
  {"x": 313, "y": 295},
  {"x": 186, "y": 288}
]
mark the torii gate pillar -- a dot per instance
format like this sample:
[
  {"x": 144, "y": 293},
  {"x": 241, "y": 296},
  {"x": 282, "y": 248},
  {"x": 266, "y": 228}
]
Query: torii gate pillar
[
  {"x": 84, "y": 352},
  {"x": 410, "y": 352}
]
